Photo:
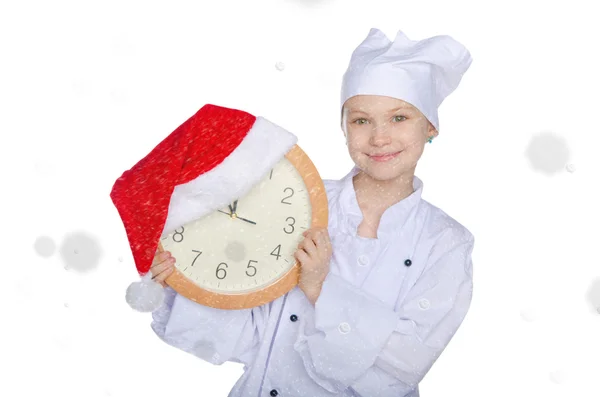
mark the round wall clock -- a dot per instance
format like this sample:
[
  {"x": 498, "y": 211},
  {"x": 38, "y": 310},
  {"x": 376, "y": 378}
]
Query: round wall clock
[{"x": 242, "y": 256}]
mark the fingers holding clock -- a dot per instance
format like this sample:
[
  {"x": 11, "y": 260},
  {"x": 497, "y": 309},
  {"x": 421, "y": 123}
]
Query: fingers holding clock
[
  {"x": 318, "y": 238},
  {"x": 303, "y": 258},
  {"x": 163, "y": 265},
  {"x": 315, "y": 249},
  {"x": 162, "y": 276},
  {"x": 309, "y": 246},
  {"x": 313, "y": 255},
  {"x": 161, "y": 257}
]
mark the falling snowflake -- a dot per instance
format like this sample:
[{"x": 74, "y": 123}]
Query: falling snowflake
[
  {"x": 593, "y": 295},
  {"x": 547, "y": 153},
  {"x": 310, "y": 3},
  {"x": 118, "y": 95},
  {"x": 557, "y": 376},
  {"x": 570, "y": 168},
  {"x": 280, "y": 66},
  {"x": 80, "y": 252},
  {"x": 122, "y": 46},
  {"x": 63, "y": 342},
  {"x": 43, "y": 168},
  {"x": 81, "y": 87},
  {"x": 528, "y": 315},
  {"x": 44, "y": 246}
]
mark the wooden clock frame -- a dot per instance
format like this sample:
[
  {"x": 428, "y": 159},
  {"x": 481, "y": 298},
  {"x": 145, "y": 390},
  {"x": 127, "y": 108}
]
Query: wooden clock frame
[{"x": 320, "y": 214}]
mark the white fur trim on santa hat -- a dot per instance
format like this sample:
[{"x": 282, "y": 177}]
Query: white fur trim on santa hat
[
  {"x": 146, "y": 295},
  {"x": 263, "y": 147}
]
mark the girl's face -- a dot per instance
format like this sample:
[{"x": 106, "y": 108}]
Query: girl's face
[{"x": 385, "y": 135}]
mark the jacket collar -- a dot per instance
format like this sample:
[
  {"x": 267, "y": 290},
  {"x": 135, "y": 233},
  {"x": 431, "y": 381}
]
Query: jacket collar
[{"x": 392, "y": 220}]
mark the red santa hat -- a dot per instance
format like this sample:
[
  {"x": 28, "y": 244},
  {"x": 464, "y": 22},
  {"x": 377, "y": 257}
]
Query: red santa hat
[{"x": 212, "y": 159}]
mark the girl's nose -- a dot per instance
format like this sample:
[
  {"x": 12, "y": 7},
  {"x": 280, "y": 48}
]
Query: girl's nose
[{"x": 380, "y": 136}]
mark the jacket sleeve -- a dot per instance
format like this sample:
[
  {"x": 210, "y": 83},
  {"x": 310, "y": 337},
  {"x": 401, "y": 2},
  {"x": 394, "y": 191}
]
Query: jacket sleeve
[
  {"x": 214, "y": 335},
  {"x": 355, "y": 341}
]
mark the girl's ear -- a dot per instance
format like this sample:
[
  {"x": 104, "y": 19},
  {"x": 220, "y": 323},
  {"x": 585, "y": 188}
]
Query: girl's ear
[
  {"x": 343, "y": 121},
  {"x": 432, "y": 131}
]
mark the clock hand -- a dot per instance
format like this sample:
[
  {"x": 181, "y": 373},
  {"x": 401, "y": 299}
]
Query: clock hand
[
  {"x": 244, "y": 219},
  {"x": 226, "y": 213},
  {"x": 234, "y": 207},
  {"x": 234, "y": 215}
]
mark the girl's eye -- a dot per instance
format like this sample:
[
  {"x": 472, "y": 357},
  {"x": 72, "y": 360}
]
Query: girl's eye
[
  {"x": 396, "y": 118},
  {"x": 360, "y": 121}
]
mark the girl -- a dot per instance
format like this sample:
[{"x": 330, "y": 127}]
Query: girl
[{"x": 383, "y": 289}]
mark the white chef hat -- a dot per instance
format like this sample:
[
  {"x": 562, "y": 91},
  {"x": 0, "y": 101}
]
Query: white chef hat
[{"x": 421, "y": 73}]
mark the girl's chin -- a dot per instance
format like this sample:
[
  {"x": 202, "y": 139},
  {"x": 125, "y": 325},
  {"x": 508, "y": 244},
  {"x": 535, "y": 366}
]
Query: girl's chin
[{"x": 383, "y": 173}]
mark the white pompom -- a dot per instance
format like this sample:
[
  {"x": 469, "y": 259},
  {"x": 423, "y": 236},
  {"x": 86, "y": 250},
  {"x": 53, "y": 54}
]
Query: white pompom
[{"x": 146, "y": 295}]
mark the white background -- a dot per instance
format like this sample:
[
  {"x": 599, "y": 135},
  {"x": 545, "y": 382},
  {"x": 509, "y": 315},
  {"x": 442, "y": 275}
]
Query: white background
[{"x": 89, "y": 88}]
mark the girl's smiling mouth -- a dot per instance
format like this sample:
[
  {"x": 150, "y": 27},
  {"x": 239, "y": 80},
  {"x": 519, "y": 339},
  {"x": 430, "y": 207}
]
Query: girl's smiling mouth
[{"x": 384, "y": 156}]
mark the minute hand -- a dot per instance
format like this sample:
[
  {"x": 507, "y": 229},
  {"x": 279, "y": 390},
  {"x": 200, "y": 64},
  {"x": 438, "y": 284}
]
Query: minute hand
[
  {"x": 234, "y": 215},
  {"x": 244, "y": 219}
]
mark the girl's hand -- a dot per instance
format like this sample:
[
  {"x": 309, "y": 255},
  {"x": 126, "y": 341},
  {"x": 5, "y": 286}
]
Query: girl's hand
[
  {"x": 162, "y": 266},
  {"x": 314, "y": 255}
]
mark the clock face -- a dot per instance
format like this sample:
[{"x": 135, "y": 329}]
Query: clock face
[{"x": 251, "y": 248}]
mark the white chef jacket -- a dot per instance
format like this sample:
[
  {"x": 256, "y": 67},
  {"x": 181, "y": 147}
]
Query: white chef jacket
[{"x": 387, "y": 309}]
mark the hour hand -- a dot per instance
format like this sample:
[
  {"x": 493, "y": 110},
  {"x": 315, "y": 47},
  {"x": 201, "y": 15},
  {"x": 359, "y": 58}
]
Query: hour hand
[{"x": 233, "y": 208}]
